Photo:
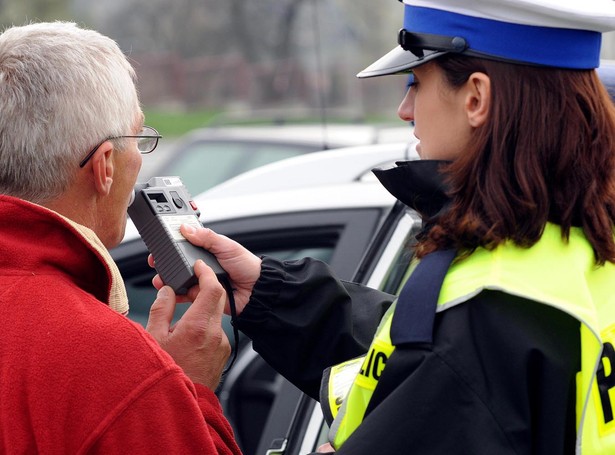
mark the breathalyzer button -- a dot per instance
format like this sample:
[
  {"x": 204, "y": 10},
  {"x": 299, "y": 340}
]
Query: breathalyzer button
[
  {"x": 178, "y": 201},
  {"x": 193, "y": 205}
]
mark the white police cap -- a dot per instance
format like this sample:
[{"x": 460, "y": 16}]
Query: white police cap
[{"x": 553, "y": 33}]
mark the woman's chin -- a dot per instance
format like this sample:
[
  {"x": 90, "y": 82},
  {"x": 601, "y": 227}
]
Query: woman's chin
[{"x": 419, "y": 151}]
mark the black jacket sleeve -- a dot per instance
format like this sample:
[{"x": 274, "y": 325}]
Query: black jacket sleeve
[
  {"x": 302, "y": 319},
  {"x": 499, "y": 376}
]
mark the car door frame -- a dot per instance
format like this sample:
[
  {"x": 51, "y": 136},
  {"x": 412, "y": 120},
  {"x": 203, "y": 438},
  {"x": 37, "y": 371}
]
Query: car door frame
[{"x": 383, "y": 266}]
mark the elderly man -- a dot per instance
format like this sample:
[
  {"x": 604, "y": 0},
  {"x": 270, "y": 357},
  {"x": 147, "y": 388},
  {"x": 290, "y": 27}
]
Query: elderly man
[{"x": 76, "y": 376}]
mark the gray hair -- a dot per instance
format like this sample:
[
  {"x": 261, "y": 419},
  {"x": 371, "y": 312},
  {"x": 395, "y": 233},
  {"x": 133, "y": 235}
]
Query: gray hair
[{"x": 63, "y": 90}]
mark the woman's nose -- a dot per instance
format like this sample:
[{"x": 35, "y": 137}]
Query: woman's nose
[{"x": 405, "y": 111}]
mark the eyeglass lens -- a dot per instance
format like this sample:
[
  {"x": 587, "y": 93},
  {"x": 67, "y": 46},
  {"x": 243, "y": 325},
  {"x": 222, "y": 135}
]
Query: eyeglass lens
[{"x": 147, "y": 144}]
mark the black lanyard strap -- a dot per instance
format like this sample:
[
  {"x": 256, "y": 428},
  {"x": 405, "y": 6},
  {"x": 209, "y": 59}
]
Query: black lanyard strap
[{"x": 416, "y": 305}]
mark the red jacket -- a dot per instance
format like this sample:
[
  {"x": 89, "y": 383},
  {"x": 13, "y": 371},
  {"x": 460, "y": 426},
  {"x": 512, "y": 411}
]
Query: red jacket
[{"x": 76, "y": 376}]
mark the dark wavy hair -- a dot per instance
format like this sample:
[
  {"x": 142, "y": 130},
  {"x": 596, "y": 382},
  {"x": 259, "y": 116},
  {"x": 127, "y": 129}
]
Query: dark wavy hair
[{"x": 546, "y": 154}]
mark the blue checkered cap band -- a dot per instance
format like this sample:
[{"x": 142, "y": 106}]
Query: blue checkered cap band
[{"x": 560, "y": 34}]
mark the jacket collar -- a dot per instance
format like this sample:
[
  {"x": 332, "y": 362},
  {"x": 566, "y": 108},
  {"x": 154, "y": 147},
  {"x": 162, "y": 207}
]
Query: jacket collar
[
  {"x": 419, "y": 184},
  {"x": 48, "y": 243}
]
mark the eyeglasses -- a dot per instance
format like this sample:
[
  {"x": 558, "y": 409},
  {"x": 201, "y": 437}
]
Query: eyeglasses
[{"x": 147, "y": 140}]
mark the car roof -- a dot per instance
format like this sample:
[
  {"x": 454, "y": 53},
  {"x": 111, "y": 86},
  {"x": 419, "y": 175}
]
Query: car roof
[
  {"x": 315, "y": 169},
  {"x": 332, "y": 179},
  {"x": 224, "y": 152},
  {"x": 331, "y": 136}
]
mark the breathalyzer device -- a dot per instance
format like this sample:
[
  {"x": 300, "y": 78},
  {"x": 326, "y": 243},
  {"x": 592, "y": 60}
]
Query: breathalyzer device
[{"x": 158, "y": 209}]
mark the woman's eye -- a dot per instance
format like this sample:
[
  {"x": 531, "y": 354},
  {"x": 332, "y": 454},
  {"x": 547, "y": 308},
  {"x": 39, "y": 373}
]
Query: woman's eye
[{"x": 412, "y": 82}]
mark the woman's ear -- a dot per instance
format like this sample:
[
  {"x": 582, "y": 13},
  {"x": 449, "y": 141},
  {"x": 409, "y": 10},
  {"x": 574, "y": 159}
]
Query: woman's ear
[
  {"x": 102, "y": 168},
  {"x": 478, "y": 99}
]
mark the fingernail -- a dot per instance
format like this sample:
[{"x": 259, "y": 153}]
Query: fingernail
[
  {"x": 189, "y": 229},
  {"x": 163, "y": 292}
]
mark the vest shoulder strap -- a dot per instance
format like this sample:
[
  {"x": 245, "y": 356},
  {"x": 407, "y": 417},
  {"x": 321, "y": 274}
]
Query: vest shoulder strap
[{"x": 416, "y": 306}]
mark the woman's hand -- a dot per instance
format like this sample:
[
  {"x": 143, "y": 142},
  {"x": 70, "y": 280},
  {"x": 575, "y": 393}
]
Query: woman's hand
[
  {"x": 326, "y": 448},
  {"x": 242, "y": 267}
]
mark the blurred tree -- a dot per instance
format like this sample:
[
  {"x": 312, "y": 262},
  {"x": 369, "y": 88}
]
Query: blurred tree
[
  {"x": 14, "y": 12},
  {"x": 260, "y": 30},
  {"x": 276, "y": 53},
  {"x": 188, "y": 28}
]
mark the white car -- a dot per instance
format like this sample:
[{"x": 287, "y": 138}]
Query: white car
[
  {"x": 329, "y": 179},
  {"x": 304, "y": 205},
  {"x": 326, "y": 205},
  {"x": 206, "y": 157}
]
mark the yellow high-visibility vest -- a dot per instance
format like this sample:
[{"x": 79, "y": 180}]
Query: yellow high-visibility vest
[{"x": 553, "y": 272}]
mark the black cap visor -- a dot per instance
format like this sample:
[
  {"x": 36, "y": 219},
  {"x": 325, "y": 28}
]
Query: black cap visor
[
  {"x": 414, "y": 49},
  {"x": 397, "y": 61}
]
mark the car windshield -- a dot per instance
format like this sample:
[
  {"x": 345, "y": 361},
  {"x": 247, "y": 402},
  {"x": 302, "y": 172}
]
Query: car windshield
[{"x": 204, "y": 164}]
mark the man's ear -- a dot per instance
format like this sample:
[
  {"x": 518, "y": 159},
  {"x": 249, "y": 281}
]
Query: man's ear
[
  {"x": 102, "y": 168},
  {"x": 478, "y": 99}
]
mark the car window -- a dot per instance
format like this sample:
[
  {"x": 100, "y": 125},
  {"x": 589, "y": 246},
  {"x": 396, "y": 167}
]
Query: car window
[
  {"x": 339, "y": 237},
  {"x": 141, "y": 293},
  {"x": 384, "y": 267},
  {"x": 207, "y": 163},
  {"x": 336, "y": 237}
]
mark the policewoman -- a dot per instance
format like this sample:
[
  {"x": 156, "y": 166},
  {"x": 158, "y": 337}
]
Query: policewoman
[{"x": 502, "y": 338}]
